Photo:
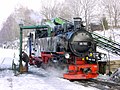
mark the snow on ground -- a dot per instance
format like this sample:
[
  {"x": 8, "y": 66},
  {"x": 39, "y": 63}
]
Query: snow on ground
[
  {"x": 6, "y": 57},
  {"x": 35, "y": 79}
]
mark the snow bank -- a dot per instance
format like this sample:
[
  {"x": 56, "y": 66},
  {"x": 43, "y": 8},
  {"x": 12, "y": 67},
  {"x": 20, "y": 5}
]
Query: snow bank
[{"x": 7, "y": 56}]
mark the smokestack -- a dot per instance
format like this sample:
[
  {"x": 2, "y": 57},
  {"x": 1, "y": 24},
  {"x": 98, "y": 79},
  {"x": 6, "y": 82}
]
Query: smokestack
[{"x": 77, "y": 23}]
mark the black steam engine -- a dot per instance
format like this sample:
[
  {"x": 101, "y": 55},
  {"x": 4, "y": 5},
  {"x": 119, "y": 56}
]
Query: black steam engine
[{"x": 67, "y": 44}]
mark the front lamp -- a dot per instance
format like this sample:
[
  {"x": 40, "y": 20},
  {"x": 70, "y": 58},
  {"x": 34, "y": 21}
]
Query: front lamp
[{"x": 67, "y": 55}]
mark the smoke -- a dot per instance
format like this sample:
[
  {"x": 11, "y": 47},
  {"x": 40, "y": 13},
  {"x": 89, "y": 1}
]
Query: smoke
[
  {"x": 56, "y": 72},
  {"x": 49, "y": 71}
]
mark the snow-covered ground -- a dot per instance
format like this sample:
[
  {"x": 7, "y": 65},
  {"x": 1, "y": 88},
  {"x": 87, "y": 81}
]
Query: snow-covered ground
[
  {"x": 7, "y": 56},
  {"x": 35, "y": 79}
]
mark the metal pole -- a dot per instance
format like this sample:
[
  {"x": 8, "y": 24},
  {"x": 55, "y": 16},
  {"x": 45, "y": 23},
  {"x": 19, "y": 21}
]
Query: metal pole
[
  {"x": 20, "y": 56},
  {"x": 109, "y": 62}
]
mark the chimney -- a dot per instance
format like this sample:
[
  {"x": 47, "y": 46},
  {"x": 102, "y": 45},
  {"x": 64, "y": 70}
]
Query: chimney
[{"x": 77, "y": 23}]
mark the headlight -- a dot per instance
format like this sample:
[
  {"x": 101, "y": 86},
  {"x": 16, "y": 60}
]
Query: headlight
[
  {"x": 91, "y": 55},
  {"x": 102, "y": 55},
  {"x": 67, "y": 55}
]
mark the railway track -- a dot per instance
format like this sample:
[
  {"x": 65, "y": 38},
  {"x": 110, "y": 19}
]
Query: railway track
[{"x": 102, "y": 85}]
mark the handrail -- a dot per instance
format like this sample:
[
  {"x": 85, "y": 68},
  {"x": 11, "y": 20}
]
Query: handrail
[
  {"x": 103, "y": 37},
  {"x": 106, "y": 44}
]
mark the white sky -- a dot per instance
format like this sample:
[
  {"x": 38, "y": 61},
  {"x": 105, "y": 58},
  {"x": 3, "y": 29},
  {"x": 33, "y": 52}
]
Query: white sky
[{"x": 7, "y": 7}]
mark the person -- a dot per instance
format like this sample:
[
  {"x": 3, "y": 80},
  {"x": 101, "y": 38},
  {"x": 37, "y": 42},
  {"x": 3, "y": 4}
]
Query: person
[{"x": 25, "y": 58}]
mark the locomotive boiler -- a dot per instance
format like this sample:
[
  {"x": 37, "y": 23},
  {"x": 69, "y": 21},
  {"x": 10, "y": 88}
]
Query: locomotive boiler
[{"x": 68, "y": 44}]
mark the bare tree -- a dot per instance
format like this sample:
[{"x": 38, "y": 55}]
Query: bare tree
[
  {"x": 88, "y": 10},
  {"x": 55, "y": 8},
  {"x": 69, "y": 9},
  {"x": 23, "y": 14},
  {"x": 10, "y": 29},
  {"x": 50, "y": 8},
  {"x": 82, "y": 8},
  {"x": 65, "y": 12},
  {"x": 112, "y": 8},
  {"x": 75, "y": 7}
]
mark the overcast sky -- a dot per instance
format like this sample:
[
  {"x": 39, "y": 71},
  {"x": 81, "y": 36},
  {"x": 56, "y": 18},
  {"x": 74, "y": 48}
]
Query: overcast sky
[{"x": 7, "y": 7}]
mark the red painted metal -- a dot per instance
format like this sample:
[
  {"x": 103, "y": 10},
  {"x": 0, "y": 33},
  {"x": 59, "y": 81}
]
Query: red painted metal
[
  {"x": 31, "y": 60},
  {"x": 77, "y": 70},
  {"x": 60, "y": 52},
  {"x": 80, "y": 76},
  {"x": 34, "y": 60},
  {"x": 45, "y": 57}
]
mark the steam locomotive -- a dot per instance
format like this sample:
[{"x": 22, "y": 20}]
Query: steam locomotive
[{"x": 65, "y": 44}]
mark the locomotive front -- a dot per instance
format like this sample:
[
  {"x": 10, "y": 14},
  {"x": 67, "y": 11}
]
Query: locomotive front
[
  {"x": 83, "y": 60},
  {"x": 80, "y": 42}
]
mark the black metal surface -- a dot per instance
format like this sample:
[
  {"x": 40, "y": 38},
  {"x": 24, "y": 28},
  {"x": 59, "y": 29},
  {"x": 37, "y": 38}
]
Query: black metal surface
[{"x": 81, "y": 42}]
